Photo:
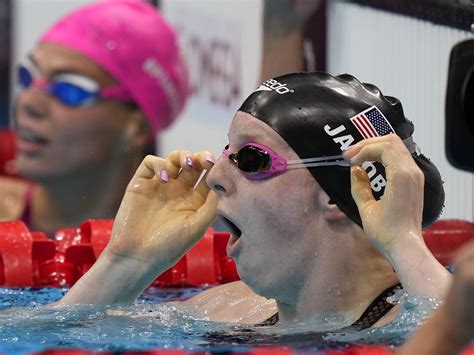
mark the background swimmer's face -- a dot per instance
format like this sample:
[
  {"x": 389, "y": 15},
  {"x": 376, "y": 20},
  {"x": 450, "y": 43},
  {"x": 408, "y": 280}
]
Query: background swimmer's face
[
  {"x": 54, "y": 139},
  {"x": 273, "y": 215}
]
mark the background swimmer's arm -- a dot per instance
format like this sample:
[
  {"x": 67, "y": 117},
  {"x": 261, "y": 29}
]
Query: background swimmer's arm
[
  {"x": 12, "y": 202},
  {"x": 393, "y": 224},
  {"x": 451, "y": 327},
  {"x": 283, "y": 30},
  {"x": 160, "y": 218}
]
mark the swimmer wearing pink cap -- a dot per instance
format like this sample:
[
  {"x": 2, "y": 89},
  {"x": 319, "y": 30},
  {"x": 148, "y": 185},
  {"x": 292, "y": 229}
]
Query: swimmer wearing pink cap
[
  {"x": 144, "y": 58},
  {"x": 99, "y": 86}
]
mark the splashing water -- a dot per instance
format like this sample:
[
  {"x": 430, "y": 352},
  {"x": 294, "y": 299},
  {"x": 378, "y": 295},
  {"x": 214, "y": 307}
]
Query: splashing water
[
  {"x": 155, "y": 322},
  {"x": 414, "y": 310}
]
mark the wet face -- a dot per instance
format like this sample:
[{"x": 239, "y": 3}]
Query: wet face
[
  {"x": 270, "y": 220},
  {"x": 56, "y": 140}
]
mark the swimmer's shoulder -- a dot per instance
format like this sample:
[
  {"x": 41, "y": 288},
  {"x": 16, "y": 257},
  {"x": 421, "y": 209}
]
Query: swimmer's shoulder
[
  {"x": 233, "y": 302},
  {"x": 12, "y": 197}
]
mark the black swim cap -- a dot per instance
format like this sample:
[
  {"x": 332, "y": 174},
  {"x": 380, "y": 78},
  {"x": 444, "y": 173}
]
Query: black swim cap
[{"x": 318, "y": 114}]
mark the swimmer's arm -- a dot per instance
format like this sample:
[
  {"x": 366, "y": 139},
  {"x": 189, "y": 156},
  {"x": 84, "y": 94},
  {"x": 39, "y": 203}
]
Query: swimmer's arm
[
  {"x": 393, "y": 223},
  {"x": 418, "y": 270},
  {"x": 162, "y": 215},
  {"x": 283, "y": 36},
  {"x": 111, "y": 280},
  {"x": 12, "y": 203}
]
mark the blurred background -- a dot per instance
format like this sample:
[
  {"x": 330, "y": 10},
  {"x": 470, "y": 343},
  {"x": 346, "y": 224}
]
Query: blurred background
[{"x": 402, "y": 46}]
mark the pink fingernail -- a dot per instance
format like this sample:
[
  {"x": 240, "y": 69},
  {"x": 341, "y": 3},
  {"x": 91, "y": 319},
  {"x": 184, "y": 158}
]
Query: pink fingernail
[
  {"x": 210, "y": 159},
  {"x": 189, "y": 162},
  {"x": 164, "y": 175}
]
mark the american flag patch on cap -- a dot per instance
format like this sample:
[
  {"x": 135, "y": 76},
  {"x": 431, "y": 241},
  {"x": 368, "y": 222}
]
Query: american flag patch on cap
[{"x": 372, "y": 123}]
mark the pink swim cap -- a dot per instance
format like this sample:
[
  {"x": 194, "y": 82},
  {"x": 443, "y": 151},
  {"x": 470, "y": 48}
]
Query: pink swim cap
[{"x": 133, "y": 43}]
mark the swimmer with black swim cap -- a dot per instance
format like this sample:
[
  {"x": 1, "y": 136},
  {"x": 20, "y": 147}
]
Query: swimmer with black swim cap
[
  {"x": 283, "y": 187},
  {"x": 318, "y": 114},
  {"x": 300, "y": 128}
]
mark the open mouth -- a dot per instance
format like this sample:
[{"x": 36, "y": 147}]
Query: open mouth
[{"x": 233, "y": 229}]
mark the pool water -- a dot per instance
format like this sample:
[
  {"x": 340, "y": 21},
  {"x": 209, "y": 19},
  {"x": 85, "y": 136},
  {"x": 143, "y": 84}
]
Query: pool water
[{"x": 35, "y": 328}]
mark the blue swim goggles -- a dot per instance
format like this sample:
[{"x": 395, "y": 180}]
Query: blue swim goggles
[{"x": 70, "y": 89}]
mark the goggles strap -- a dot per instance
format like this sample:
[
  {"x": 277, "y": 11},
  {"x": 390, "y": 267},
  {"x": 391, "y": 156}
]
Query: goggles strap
[
  {"x": 317, "y": 159},
  {"x": 326, "y": 163},
  {"x": 332, "y": 160},
  {"x": 412, "y": 146}
]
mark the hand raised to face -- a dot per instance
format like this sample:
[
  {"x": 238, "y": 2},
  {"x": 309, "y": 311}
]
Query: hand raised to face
[
  {"x": 399, "y": 211},
  {"x": 163, "y": 214}
]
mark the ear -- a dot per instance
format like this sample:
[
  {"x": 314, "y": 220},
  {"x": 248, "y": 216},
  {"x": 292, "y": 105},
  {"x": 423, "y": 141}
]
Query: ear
[
  {"x": 329, "y": 209},
  {"x": 333, "y": 213}
]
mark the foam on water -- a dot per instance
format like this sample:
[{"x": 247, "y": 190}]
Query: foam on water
[
  {"x": 153, "y": 322},
  {"x": 414, "y": 310}
]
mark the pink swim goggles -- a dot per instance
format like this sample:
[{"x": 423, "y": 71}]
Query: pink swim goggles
[{"x": 257, "y": 161}]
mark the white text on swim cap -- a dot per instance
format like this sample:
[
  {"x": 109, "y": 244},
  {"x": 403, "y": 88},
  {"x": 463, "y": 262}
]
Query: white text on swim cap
[
  {"x": 377, "y": 181},
  {"x": 154, "y": 69},
  {"x": 274, "y": 85}
]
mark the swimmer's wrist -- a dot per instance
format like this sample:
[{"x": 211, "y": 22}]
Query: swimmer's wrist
[
  {"x": 417, "y": 268},
  {"x": 401, "y": 241},
  {"x": 405, "y": 247},
  {"x": 136, "y": 269},
  {"x": 391, "y": 246},
  {"x": 112, "y": 279}
]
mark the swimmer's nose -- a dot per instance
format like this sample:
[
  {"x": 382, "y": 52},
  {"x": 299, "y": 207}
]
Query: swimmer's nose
[
  {"x": 218, "y": 188},
  {"x": 31, "y": 111},
  {"x": 216, "y": 179},
  {"x": 214, "y": 185},
  {"x": 31, "y": 103}
]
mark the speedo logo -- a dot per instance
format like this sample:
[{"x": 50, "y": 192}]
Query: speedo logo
[{"x": 273, "y": 85}]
